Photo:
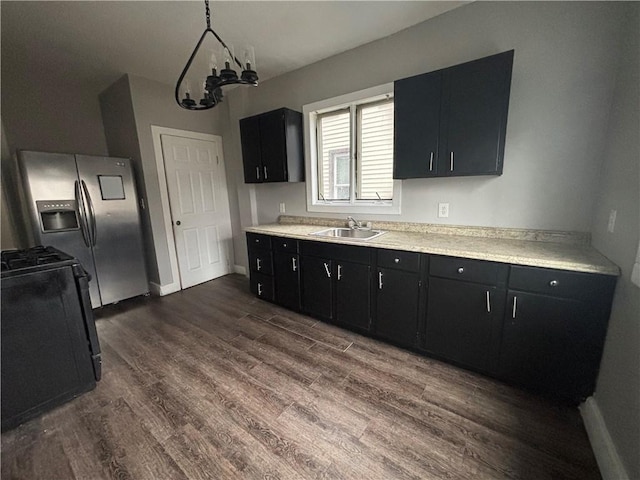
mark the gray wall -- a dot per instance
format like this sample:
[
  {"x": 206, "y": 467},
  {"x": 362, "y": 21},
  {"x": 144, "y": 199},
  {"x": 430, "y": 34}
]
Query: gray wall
[
  {"x": 561, "y": 91},
  {"x": 153, "y": 104},
  {"x": 47, "y": 114},
  {"x": 618, "y": 387}
]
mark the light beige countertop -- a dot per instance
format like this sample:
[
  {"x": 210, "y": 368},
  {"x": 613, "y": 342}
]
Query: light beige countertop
[{"x": 550, "y": 249}]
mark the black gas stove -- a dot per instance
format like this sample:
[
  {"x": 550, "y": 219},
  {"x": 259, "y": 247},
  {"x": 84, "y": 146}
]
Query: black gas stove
[
  {"x": 50, "y": 350},
  {"x": 32, "y": 259}
]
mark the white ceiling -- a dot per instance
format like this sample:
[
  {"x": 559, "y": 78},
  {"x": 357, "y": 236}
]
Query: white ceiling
[{"x": 96, "y": 42}]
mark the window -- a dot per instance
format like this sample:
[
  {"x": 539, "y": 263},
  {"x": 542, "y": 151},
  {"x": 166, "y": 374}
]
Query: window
[{"x": 349, "y": 143}]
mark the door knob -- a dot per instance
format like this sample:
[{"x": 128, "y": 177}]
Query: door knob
[{"x": 178, "y": 222}]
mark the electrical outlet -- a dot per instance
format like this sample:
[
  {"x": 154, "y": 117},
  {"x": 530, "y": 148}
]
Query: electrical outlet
[
  {"x": 282, "y": 207},
  {"x": 443, "y": 210},
  {"x": 612, "y": 221}
]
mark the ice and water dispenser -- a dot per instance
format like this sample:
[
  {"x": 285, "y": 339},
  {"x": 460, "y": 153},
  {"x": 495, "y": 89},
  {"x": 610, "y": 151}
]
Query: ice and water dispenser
[{"x": 57, "y": 215}]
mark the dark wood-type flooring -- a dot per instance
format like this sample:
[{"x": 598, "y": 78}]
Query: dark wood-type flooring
[{"x": 213, "y": 383}]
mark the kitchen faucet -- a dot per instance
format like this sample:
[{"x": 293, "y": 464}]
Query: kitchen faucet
[{"x": 353, "y": 223}]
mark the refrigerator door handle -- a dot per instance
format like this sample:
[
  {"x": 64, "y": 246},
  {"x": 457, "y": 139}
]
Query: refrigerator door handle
[
  {"x": 92, "y": 213},
  {"x": 82, "y": 214}
]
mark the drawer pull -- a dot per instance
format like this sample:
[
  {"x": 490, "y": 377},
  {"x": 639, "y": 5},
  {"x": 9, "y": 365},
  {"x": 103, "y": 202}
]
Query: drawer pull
[
  {"x": 554, "y": 283},
  {"x": 515, "y": 303},
  {"x": 257, "y": 173},
  {"x": 258, "y": 264},
  {"x": 380, "y": 280},
  {"x": 451, "y": 162},
  {"x": 284, "y": 245},
  {"x": 293, "y": 264},
  {"x": 488, "y": 302},
  {"x": 266, "y": 177},
  {"x": 460, "y": 269},
  {"x": 397, "y": 260},
  {"x": 339, "y": 271},
  {"x": 259, "y": 289},
  {"x": 326, "y": 269},
  {"x": 431, "y": 162}
]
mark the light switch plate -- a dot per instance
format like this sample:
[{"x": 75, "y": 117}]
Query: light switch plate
[
  {"x": 612, "y": 221},
  {"x": 443, "y": 210}
]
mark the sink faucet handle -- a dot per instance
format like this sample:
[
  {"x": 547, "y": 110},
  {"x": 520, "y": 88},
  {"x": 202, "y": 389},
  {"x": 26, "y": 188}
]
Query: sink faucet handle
[{"x": 353, "y": 223}]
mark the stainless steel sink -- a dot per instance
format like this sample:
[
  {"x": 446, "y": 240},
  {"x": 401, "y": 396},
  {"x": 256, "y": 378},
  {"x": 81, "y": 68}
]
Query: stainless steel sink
[{"x": 351, "y": 233}]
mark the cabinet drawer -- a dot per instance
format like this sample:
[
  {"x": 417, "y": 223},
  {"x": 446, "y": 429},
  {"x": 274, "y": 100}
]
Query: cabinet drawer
[
  {"x": 281, "y": 244},
  {"x": 561, "y": 283},
  {"x": 346, "y": 253},
  {"x": 261, "y": 261},
  {"x": 469, "y": 270},
  {"x": 257, "y": 240},
  {"x": 408, "y": 261},
  {"x": 262, "y": 286}
]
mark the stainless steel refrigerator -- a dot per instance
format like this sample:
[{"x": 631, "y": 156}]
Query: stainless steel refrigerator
[{"x": 87, "y": 207}]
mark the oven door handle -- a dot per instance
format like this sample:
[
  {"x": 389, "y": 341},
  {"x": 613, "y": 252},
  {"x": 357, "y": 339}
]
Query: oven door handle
[
  {"x": 92, "y": 215},
  {"x": 82, "y": 214}
]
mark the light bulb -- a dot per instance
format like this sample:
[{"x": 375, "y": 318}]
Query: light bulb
[
  {"x": 228, "y": 58},
  {"x": 249, "y": 58},
  {"x": 213, "y": 64}
]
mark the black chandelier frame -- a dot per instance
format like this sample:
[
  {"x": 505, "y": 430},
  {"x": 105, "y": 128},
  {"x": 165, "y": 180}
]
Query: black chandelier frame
[{"x": 214, "y": 83}]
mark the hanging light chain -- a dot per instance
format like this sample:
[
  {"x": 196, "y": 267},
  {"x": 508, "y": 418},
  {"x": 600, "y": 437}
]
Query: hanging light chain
[{"x": 208, "y": 13}]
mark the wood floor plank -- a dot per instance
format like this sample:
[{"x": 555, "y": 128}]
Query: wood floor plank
[{"x": 211, "y": 382}]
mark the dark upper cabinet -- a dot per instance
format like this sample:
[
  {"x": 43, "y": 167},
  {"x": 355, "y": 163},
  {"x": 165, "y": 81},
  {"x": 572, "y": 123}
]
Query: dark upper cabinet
[
  {"x": 554, "y": 330},
  {"x": 417, "y": 125},
  {"x": 468, "y": 136},
  {"x": 272, "y": 147}
]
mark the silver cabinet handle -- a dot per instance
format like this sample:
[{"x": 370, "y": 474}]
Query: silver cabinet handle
[
  {"x": 396, "y": 260},
  {"x": 339, "y": 271},
  {"x": 265, "y": 173},
  {"x": 257, "y": 173},
  {"x": 488, "y": 302},
  {"x": 259, "y": 289},
  {"x": 293, "y": 264},
  {"x": 451, "y": 163},
  {"x": 554, "y": 283},
  {"x": 380, "y": 280},
  {"x": 326, "y": 269},
  {"x": 460, "y": 269},
  {"x": 515, "y": 303},
  {"x": 431, "y": 162},
  {"x": 258, "y": 264}
]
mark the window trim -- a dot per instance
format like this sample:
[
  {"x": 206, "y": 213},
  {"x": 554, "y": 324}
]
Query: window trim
[{"x": 310, "y": 113}]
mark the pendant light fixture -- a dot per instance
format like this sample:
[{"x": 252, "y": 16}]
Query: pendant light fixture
[{"x": 211, "y": 89}]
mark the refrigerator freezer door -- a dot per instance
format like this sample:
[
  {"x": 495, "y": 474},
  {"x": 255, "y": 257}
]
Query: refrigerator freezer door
[
  {"x": 114, "y": 226},
  {"x": 51, "y": 178}
]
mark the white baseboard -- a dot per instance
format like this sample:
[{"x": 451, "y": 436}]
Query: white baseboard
[
  {"x": 161, "y": 290},
  {"x": 611, "y": 467},
  {"x": 240, "y": 269}
]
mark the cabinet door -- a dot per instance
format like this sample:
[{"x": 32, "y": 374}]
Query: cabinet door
[
  {"x": 273, "y": 146},
  {"x": 417, "y": 125},
  {"x": 250, "y": 139},
  {"x": 475, "y": 105},
  {"x": 261, "y": 261},
  {"x": 353, "y": 294},
  {"x": 397, "y": 299},
  {"x": 551, "y": 344},
  {"x": 317, "y": 299},
  {"x": 462, "y": 321},
  {"x": 287, "y": 279}
]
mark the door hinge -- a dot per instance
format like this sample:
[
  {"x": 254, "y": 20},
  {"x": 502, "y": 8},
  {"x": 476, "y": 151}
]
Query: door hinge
[
  {"x": 420, "y": 283},
  {"x": 142, "y": 204}
]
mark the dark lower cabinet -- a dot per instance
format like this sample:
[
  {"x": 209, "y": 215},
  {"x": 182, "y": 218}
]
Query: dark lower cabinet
[
  {"x": 464, "y": 321},
  {"x": 287, "y": 279},
  {"x": 552, "y": 345},
  {"x": 353, "y": 297},
  {"x": 538, "y": 328},
  {"x": 317, "y": 299},
  {"x": 262, "y": 286},
  {"x": 397, "y": 305}
]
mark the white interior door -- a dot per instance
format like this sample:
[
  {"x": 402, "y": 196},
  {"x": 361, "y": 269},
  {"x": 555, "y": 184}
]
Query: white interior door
[{"x": 199, "y": 207}]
